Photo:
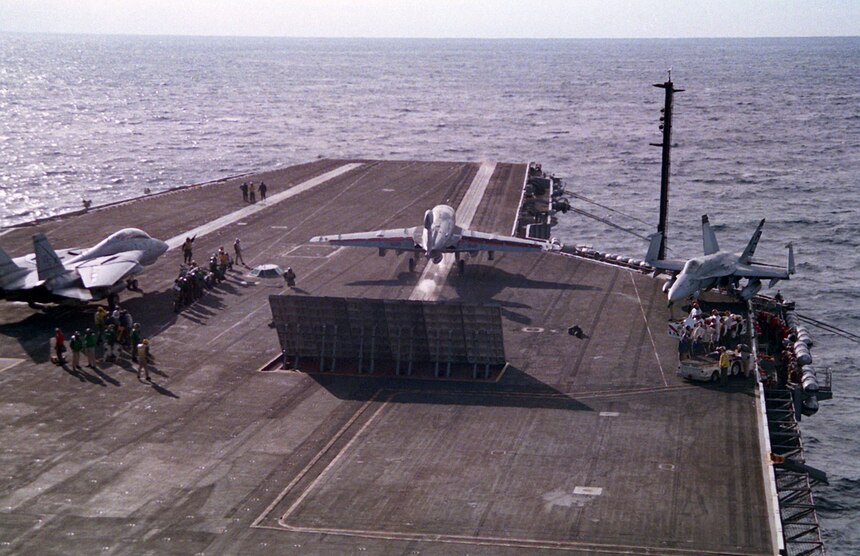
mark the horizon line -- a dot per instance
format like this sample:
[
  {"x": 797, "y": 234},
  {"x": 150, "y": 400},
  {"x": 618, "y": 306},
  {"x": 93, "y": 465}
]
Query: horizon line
[{"x": 441, "y": 38}]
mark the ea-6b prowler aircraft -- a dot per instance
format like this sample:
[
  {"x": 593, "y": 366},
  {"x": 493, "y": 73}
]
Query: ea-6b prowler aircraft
[
  {"x": 75, "y": 276},
  {"x": 717, "y": 268},
  {"x": 439, "y": 235}
]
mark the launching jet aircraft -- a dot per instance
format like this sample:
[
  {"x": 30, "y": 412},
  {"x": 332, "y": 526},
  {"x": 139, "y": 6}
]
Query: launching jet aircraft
[
  {"x": 75, "y": 276},
  {"x": 717, "y": 268},
  {"x": 439, "y": 235}
]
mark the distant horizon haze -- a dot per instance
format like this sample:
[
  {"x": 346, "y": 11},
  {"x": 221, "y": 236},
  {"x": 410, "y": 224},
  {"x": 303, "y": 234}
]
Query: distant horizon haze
[
  {"x": 409, "y": 38},
  {"x": 442, "y": 19}
]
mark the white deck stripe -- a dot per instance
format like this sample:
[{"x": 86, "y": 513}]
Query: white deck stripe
[
  {"x": 235, "y": 216},
  {"x": 648, "y": 328},
  {"x": 433, "y": 278},
  {"x": 469, "y": 205}
]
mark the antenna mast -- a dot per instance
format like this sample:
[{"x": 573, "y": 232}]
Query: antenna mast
[{"x": 666, "y": 127}]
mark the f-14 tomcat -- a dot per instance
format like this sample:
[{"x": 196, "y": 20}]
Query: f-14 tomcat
[
  {"x": 717, "y": 268},
  {"x": 438, "y": 235},
  {"x": 75, "y": 276}
]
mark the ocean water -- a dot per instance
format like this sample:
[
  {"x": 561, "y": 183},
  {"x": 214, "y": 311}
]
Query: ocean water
[{"x": 766, "y": 128}]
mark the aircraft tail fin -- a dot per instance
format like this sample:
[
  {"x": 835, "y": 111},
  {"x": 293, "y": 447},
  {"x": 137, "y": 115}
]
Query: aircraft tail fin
[
  {"x": 7, "y": 267},
  {"x": 790, "y": 258},
  {"x": 653, "y": 248},
  {"x": 748, "y": 253},
  {"x": 48, "y": 264},
  {"x": 709, "y": 239}
]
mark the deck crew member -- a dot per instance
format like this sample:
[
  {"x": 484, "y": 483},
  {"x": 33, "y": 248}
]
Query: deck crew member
[
  {"x": 101, "y": 315},
  {"x": 290, "y": 277},
  {"x": 90, "y": 341},
  {"x": 77, "y": 345},
  {"x": 111, "y": 342},
  {"x": 142, "y": 356},
  {"x": 237, "y": 246},
  {"x": 135, "y": 340},
  {"x": 724, "y": 367},
  {"x": 187, "y": 249},
  {"x": 59, "y": 346}
]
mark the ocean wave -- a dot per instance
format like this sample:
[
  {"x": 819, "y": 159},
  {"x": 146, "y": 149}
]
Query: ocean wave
[{"x": 840, "y": 496}]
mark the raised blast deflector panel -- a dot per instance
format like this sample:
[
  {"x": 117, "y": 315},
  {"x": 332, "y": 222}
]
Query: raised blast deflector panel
[{"x": 390, "y": 329}]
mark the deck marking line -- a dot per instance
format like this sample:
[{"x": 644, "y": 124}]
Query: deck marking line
[
  {"x": 469, "y": 205},
  {"x": 9, "y": 362},
  {"x": 340, "y": 455},
  {"x": 235, "y": 216},
  {"x": 434, "y": 276},
  {"x": 592, "y": 547},
  {"x": 648, "y": 328},
  {"x": 588, "y": 491},
  {"x": 237, "y": 323},
  {"x": 477, "y": 540},
  {"x": 315, "y": 459}
]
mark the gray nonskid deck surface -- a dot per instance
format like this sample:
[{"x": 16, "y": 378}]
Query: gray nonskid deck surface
[{"x": 589, "y": 446}]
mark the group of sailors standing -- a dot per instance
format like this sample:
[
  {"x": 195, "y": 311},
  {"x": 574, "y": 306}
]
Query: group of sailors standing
[
  {"x": 193, "y": 280},
  {"x": 780, "y": 340},
  {"x": 703, "y": 333},
  {"x": 249, "y": 191},
  {"x": 114, "y": 330}
]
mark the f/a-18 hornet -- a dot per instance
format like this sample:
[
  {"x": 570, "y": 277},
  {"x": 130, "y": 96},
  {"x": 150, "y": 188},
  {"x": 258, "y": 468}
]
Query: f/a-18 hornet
[
  {"x": 438, "y": 235},
  {"x": 76, "y": 276},
  {"x": 717, "y": 268}
]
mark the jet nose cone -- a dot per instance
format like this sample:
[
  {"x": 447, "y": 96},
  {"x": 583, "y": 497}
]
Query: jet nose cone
[
  {"x": 677, "y": 291},
  {"x": 162, "y": 247},
  {"x": 682, "y": 289}
]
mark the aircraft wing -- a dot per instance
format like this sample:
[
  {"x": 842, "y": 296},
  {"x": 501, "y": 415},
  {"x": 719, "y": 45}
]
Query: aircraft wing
[
  {"x": 66, "y": 254},
  {"x": 481, "y": 241},
  {"x": 671, "y": 265},
  {"x": 753, "y": 271},
  {"x": 400, "y": 238},
  {"x": 103, "y": 272},
  {"x": 78, "y": 294}
]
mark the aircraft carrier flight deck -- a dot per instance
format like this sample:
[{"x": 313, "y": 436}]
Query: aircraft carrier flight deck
[{"x": 587, "y": 445}]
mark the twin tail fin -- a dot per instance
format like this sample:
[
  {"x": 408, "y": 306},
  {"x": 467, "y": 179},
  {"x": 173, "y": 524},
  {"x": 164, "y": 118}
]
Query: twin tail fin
[{"x": 48, "y": 263}]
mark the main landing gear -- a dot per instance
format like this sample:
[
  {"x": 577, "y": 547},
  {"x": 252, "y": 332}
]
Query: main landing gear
[
  {"x": 411, "y": 264},
  {"x": 461, "y": 266}
]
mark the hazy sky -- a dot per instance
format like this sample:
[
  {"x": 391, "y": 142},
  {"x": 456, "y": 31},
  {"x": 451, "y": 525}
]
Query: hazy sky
[{"x": 438, "y": 18}]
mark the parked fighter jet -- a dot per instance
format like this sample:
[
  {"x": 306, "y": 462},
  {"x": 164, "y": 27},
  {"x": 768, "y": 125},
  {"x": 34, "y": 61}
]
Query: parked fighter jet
[
  {"x": 717, "y": 268},
  {"x": 75, "y": 276},
  {"x": 439, "y": 235}
]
